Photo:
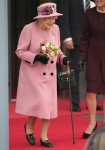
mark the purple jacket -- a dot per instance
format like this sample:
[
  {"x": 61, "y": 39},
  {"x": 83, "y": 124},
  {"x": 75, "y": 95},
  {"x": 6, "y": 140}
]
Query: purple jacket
[{"x": 93, "y": 43}]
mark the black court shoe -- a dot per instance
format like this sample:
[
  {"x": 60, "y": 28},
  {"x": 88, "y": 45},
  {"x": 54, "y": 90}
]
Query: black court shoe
[
  {"x": 99, "y": 108},
  {"x": 77, "y": 109},
  {"x": 86, "y": 135},
  {"x": 46, "y": 143},
  {"x": 30, "y": 137}
]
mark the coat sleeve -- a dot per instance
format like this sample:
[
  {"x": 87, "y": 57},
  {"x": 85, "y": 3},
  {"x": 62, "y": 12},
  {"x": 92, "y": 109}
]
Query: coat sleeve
[
  {"x": 60, "y": 55},
  {"x": 64, "y": 21},
  {"x": 23, "y": 51},
  {"x": 85, "y": 38}
]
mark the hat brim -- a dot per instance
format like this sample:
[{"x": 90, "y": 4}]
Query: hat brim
[{"x": 46, "y": 16}]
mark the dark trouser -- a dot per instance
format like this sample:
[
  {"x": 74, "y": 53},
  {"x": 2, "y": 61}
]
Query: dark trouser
[{"x": 75, "y": 97}]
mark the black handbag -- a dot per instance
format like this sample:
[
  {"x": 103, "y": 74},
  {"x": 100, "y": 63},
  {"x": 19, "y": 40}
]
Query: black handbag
[
  {"x": 63, "y": 81},
  {"x": 62, "y": 78}
]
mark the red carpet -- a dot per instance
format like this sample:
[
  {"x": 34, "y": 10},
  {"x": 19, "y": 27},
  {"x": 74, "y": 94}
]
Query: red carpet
[{"x": 60, "y": 132}]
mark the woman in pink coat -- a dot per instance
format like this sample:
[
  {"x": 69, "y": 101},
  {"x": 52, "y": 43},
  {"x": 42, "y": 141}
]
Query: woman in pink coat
[{"x": 37, "y": 88}]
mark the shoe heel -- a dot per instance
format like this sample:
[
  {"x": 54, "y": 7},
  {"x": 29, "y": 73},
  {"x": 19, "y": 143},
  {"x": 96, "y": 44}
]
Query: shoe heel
[
  {"x": 46, "y": 143},
  {"x": 95, "y": 127},
  {"x": 30, "y": 137},
  {"x": 41, "y": 142},
  {"x": 86, "y": 135}
]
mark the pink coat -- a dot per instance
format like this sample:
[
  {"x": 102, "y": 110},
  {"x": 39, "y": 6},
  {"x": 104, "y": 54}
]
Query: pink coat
[{"x": 37, "y": 85}]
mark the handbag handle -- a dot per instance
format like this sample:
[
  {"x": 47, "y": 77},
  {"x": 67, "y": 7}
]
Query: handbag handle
[{"x": 68, "y": 68}]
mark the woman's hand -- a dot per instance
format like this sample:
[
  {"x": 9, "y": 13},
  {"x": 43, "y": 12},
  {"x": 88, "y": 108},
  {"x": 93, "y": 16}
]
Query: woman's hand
[
  {"x": 41, "y": 59},
  {"x": 65, "y": 60},
  {"x": 69, "y": 45},
  {"x": 81, "y": 64}
]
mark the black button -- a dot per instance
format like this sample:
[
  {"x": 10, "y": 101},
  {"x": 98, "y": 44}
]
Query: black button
[
  {"x": 51, "y": 74},
  {"x": 52, "y": 61},
  {"x": 44, "y": 73}
]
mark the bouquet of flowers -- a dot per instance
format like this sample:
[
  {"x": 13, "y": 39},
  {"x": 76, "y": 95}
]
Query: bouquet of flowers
[{"x": 47, "y": 50}]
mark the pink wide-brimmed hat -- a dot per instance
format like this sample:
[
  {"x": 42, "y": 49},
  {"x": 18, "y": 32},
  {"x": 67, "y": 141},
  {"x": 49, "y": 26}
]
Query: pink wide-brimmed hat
[{"x": 47, "y": 10}]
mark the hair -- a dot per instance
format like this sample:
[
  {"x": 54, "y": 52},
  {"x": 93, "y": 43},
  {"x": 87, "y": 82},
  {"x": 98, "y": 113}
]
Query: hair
[{"x": 97, "y": 140}]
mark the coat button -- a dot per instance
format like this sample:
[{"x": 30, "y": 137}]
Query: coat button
[
  {"x": 51, "y": 74},
  {"x": 44, "y": 73},
  {"x": 52, "y": 61}
]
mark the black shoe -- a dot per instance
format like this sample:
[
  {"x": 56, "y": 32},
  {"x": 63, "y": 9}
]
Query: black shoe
[
  {"x": 30, "y": 138},
  {"x": 76, "y": 109},
  {"x": 46, "y": 143},
  {"x": 86, "y": 135},
  {"x": 99, "y": 108}
]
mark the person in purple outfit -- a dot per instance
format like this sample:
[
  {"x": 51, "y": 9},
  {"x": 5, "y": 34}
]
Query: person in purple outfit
[
  {"x": 70, "y": 25},
  {"x": 92, "y": 50}
]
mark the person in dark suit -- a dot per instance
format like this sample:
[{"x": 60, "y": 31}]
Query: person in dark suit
[
  {"x": 70, "y": 26},
  {"x": 92, "y": 50}
]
